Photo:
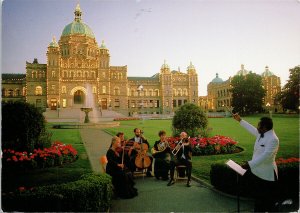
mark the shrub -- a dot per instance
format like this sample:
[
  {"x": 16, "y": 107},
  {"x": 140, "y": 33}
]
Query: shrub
[
  {"x": 224, "y": 179},
  {"x": 92, "y": 193},
  {"x": 23, "y": 127},
  {"x": 189, "y": 118}
]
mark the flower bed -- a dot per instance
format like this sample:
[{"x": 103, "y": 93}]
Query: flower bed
[
  {"x": 208, "y": 146},
  {"x": 126, "y": 119},
  {"x": 55, "y": 155}
]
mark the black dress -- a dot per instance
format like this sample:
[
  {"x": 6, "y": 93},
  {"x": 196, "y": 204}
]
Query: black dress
[{"x": 121, "y": 179}]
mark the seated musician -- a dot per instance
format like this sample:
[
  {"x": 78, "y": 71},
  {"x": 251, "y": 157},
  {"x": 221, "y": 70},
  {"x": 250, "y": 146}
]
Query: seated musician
[
  {"x": 161, "y": 153},
  {"x": 135, "y": 144},
  {"x": 121, "y": 179},
  {"x": 183, "y": 157},
  {"x": 125, "y": 147}
]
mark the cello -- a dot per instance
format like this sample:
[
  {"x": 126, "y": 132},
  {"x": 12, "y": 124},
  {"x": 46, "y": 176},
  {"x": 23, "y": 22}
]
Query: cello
[{"x": 142, "y": 160}]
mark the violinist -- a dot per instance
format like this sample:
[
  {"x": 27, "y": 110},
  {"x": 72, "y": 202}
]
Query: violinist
[
  {"x": 182, "y": 156},
  {"x": 124, "y": 147},
  {"x": 137, "y": 144},
  {"x": 122, "y": 180},
  {"x": 161, "y": 152}
]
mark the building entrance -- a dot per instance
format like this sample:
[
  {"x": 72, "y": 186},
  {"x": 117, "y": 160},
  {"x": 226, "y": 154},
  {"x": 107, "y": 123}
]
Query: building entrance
[
  {"x": 78, "y": 97},
  {"x": 104, "y": 103}
]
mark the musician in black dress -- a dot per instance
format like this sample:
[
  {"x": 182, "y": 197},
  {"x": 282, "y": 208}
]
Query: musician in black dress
[
  {"x": 182, "y": 157},
  {"x": 161, "y": 153},
  {"x": 135, "y": 142},
  {"x": 121, "y": 178}
]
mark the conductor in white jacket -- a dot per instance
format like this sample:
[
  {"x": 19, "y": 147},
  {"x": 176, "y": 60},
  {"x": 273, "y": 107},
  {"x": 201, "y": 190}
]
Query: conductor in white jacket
[{"x": 262, "y": 168}]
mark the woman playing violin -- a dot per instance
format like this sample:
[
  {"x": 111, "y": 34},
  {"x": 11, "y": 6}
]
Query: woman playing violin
[{"x": 122, "y": 180}]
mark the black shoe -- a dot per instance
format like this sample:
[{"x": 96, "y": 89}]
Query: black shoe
[
  {"x": 149, "y": 174},
  {"x": 171, "y": 182},
  {"x": 188, "y": 184}
]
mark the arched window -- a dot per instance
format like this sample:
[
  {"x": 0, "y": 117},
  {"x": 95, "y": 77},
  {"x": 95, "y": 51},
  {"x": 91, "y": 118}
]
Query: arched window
[
  {"x": 132, "y": 92},
  {"x": 179, "y": 92},
  {"x": 38, "y": 90},
  {"x": 53, "y": 74},
  {"x": 104, "y": 89},
  {"x": 150, "y": 92},
  {"x": 94, "y": 90},
  {"x": 156, "y": 92},
  {"x": 185, "y": 92},
  {"x": 17, "y": 92},
  {"x": 174, "y": 92}
]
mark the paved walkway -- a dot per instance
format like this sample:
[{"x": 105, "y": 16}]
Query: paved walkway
[{"x": 156, "y": 196}]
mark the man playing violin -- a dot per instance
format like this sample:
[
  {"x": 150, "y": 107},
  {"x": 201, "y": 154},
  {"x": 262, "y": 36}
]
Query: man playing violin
[
  {"x": 137, "y": 150},
  {"x": 183, "y": 156}
]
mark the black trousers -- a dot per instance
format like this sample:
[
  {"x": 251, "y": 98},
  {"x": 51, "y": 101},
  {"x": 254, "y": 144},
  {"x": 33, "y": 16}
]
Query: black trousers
[
  {"x": 263, "y": 191},
  {"x": 181, "y": 161}
]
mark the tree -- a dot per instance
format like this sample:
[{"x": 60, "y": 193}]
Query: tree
[
  {"x": 247, "y": 93},
  {"x": 289, "y": 96},
  {"x": 23, "y": 127},
  {"x": 189, "y": 118}
]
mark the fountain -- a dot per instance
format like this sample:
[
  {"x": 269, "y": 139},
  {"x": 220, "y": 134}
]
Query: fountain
[
  {"x": 86, "y": 110},
  {"x": 89, "y": 105}
]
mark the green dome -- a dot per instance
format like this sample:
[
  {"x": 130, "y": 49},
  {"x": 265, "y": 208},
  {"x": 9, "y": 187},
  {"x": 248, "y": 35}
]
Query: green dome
[
  {"x": 267, "y": 72},
  {"x": 77, "y": 27},
  {"x": 217, "y": 79}
]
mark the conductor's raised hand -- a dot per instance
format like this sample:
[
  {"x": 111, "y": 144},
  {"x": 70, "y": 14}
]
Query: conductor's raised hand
[{"x": 237, "y": 117}]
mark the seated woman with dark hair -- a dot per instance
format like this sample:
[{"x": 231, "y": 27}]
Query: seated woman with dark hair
[{"x": 121, "y": 178}]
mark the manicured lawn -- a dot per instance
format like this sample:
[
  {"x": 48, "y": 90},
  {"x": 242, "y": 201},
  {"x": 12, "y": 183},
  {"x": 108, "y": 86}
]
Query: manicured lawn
[
  {"x": 286, "y": 128},
  {"x": 65, "y": 173}
]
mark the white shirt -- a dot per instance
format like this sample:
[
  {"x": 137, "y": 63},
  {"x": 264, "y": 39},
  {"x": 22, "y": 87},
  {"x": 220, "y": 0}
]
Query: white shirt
[{"x": 263, "y": 162}]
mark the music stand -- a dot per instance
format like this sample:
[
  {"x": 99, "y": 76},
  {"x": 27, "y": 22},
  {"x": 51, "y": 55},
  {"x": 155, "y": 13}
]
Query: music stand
[{"x": 239, "y": 171}]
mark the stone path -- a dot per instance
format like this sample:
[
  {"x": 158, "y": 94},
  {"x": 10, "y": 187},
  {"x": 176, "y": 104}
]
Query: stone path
[{"x": 156, "y": 196}]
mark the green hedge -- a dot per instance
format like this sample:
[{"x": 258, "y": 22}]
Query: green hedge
[
  {"x": 224, "y": 179},
  {"x": 92, "y": 193}
]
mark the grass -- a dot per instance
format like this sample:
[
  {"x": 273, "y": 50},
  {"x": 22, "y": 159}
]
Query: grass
[
  {"x": 55, "y": 175},
  {"x": 285, "y": 126}
]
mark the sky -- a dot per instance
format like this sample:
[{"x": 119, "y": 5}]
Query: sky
[{"x": 217, "y": 36}]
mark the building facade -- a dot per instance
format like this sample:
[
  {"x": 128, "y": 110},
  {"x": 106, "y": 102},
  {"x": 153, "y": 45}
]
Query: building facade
[
  {"x": 78, "y": 73},
  {"x": 219, "y": 97}
]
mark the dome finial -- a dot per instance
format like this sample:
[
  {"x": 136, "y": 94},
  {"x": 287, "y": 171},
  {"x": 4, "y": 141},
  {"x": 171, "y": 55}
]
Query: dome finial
[
  {"x": 103, "y": 45},
  {"x": 77, "y": 13}
]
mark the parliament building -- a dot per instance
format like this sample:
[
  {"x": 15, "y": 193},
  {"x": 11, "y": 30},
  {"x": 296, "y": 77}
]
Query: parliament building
[{"x": 78, "y": 68}]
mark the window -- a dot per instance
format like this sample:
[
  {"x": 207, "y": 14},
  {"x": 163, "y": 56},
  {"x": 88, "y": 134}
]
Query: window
[
  {"x": 64, "y": 103},
  {"x": 117, "y": 103},
  {"x": 53, "y": 87},
  {"x": 156, "y": 92},
  {"x": 104, "y": 89},
  {"x": 38, "y": 90},
  {"x": 63, "y": 89},
  {"x": 116, "y": 91},
  {"x": 174, "y": 103},
  {"x": 150, "y": 92},
  {"x": 94, "y": 90},
  {"x": 10, "y": 93},
  {"x": 179, "y": 102},
  {"x": 179, "y": 93}
]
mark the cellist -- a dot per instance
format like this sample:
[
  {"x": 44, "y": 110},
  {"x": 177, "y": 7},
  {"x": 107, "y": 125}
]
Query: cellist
[{"x": 136, "y": 143}]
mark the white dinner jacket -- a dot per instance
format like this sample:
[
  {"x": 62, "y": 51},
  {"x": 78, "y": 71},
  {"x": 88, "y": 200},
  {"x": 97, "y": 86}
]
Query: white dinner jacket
[{"x": 263, "y": 162}]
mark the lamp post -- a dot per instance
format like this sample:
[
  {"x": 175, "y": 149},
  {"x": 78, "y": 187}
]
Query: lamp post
[
  {"x": 139, "y": 89},
  {"x": 269, "y": 108},
  {"x": 57, "y": 109}
]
